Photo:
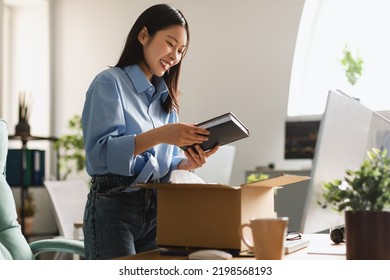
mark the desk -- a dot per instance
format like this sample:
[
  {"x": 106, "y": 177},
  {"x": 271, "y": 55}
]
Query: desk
[{"x": 320, "y": 248}]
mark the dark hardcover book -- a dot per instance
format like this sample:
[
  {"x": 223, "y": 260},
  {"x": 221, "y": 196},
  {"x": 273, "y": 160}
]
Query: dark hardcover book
[
  {"x": 223, "y": 129},
  {"x": 18, "y": 166},
  {"x": 33, "y": 168}
]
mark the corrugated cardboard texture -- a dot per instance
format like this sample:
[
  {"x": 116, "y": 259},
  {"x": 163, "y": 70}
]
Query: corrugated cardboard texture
[
  {"x": 257, "y": 203},
  {"x": 208, "y": 218},
  {"x": 210, "y": 215},
  {"x": 279, "y": 181}
]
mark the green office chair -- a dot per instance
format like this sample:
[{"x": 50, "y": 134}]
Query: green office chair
[{"x": 13, "y": 244}]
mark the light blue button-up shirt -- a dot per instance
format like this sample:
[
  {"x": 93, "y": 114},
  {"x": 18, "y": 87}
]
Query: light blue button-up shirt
[{"x": 120, "y": 104}]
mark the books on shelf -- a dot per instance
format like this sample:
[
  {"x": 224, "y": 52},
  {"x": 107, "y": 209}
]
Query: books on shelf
[
  {"x": 223, "y": 129},
  {"x": 31, "y": 168},
  {"x": 38, "y": 168}
]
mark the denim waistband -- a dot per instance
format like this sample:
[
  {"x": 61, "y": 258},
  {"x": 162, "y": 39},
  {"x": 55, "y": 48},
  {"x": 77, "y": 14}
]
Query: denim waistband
[
  {"x": 109, "y": 176},
  {"x": 112, "y": 183},
  {"x": 121, "y": 178},
  {"x": 115, "y": 183}
]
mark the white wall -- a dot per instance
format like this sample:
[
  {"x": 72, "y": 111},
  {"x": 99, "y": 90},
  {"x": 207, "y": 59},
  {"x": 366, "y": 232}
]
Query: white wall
[
  {"x": 239, "y": 60},
  {"x": 1, "y": 57},
  {"x": 25, "y": 49}
]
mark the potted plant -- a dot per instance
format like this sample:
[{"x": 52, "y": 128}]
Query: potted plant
[
  {"x": 23, "y": 127},
  {"x": 70, "y": 148},
  {"x": 364, "y": 196}
]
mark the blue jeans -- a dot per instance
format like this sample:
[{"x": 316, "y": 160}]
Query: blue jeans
[{"x": 117, "y": 221}]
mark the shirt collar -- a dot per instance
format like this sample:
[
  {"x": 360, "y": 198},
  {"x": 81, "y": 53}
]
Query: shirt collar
[{"x": 142, "y": 84}]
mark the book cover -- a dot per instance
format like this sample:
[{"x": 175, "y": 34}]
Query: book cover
[
  {"x": 38, "y": 167},
  {"x": 223, "y": 129},
  {"x": 32, "y": 168},
  {"x": 18, "y": 166}
]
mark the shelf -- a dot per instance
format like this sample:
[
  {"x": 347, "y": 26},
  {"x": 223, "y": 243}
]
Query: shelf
[{"x": 24, "y": 138}]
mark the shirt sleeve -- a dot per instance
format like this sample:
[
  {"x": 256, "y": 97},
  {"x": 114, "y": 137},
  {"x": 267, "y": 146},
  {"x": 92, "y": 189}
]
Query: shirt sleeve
[
  {"x": 177, "y": 158},
  {"x": 108, "y": 150}
]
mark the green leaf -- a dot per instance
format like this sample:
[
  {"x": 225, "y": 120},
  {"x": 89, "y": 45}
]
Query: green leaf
[
  {"x": 353, "y": 66},
  {"x": 70, "y": 148},
  {"x": 367, "y": 188}
]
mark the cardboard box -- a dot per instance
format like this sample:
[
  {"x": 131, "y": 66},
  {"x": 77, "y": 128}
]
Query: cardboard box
[{"x": 209, "y": 215}]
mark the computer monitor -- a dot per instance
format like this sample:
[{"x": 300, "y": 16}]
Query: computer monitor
[
  {"x": 300, "y": 137},
  {"x": 347, "y": 131}
]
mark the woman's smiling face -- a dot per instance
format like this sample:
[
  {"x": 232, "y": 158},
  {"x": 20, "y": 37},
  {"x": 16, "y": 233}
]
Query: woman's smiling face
[{"x": 163, "y": 50}]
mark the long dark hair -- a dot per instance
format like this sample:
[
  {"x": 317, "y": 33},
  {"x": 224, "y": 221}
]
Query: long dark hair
[{"x": 156, "y": 18}]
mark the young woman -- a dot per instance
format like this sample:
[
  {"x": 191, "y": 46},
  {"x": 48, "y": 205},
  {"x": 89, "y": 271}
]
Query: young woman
[{"x": 132, "y": 134}]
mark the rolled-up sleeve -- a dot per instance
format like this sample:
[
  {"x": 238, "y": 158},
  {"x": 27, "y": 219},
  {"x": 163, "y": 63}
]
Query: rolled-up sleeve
[{"x": 177, "y": 158}]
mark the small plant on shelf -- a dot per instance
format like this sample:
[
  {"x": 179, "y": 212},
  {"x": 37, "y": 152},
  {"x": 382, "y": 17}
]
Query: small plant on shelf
[
  {"x": 28, "y": 214},
  {"x": 25, "y": 104},
  {"x": 29, "y": 206}
]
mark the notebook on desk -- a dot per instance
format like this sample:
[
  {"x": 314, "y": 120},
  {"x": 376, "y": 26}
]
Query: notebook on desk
[
  {"x": 328, "y": 249},
  {"x": 291, "y": 246}
]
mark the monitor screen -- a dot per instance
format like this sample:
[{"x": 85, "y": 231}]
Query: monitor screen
[
  {"x": 347, "y": 131},
  {"x": 301, "y": 137}
]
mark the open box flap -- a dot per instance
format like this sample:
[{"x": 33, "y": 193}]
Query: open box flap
[
  {"x": 278, "y": 181},
  {"x": 186, "y": 186}
]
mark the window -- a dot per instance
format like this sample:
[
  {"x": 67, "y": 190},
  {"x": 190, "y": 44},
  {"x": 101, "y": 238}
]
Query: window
[
  {"x": 26, "y": 62},
  {"x": 26, "y": 68},
  {"x": 326, "y": 28}
]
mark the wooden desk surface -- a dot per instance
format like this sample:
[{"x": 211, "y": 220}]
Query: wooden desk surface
[
  {"x": 320, "y": 248},
  {"x": 153, "y": 255}
]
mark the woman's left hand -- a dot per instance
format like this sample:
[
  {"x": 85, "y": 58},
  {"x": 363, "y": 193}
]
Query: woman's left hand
[{"x": 196, "y": 159}]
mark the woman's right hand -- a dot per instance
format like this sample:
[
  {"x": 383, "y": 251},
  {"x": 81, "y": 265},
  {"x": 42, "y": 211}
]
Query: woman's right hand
[
  {"x": 182, "y": 134},
  {"x": 178, "y": 134}
]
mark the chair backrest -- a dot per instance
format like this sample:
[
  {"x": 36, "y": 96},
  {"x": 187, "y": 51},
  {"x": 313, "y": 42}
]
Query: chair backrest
[
  {"x": 13, "y": 244},
  {"x": 218, "y": 168},
  {"x": 68, "y": 199}
]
